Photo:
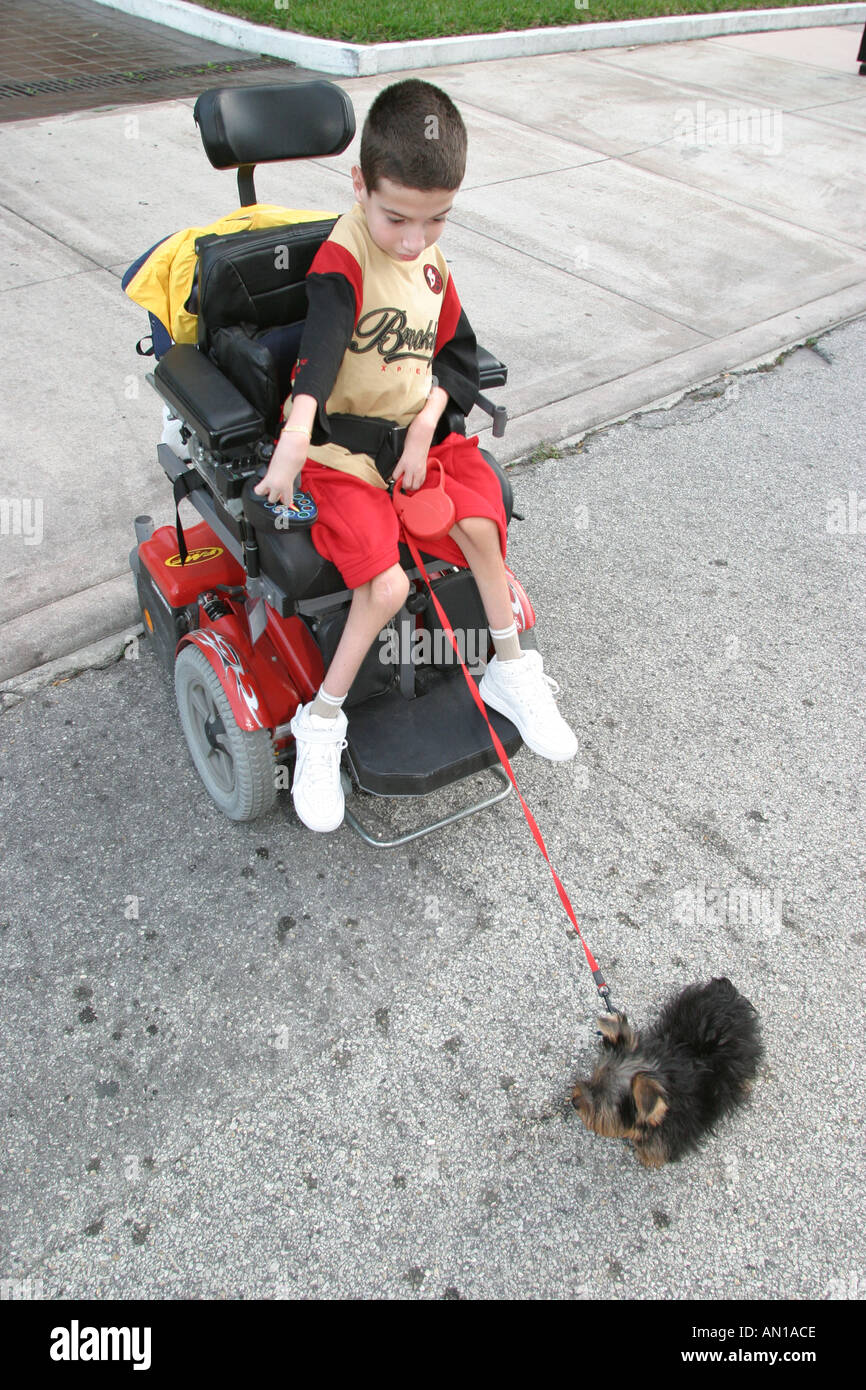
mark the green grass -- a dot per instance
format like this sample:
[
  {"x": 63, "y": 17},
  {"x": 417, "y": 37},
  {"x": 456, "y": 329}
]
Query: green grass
[{"x": 381, "y": 21}]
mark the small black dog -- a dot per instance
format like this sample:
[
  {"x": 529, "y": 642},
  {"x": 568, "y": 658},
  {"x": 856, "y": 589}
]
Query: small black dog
[{"x": 664, "y": 1089}]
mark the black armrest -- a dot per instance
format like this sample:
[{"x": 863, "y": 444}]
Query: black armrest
[
  {"x": 491, "y": 371},
  {"x": 205, "y": 400}
]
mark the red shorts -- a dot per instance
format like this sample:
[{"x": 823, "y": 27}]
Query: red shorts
[{"x": 357, "y": 528}]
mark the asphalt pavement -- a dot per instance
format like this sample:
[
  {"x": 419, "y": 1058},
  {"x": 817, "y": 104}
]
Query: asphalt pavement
[{"x": 244, "y": 1061}]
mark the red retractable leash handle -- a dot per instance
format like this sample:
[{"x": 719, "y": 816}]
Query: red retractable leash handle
[
  {"x": 603, "y": 988},
  {"x": 429, "y": 513}
]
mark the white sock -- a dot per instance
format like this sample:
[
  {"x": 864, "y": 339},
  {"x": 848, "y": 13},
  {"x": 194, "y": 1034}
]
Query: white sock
[
  {"x": 326, "y": 706},
  {"x": 507, "y": 643}
]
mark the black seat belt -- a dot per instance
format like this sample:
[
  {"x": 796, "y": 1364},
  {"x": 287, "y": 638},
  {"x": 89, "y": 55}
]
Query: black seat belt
[
  {"x": 184, "y": 484},
  {"x": 381, "y": 439}
]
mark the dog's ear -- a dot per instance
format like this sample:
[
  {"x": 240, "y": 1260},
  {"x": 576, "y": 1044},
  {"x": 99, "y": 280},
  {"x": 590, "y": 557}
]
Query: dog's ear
[
  {"x": 649, "y": 1099},
  {"x": 580, "y": 1098},
  {"x": 616, "y": 1031}
]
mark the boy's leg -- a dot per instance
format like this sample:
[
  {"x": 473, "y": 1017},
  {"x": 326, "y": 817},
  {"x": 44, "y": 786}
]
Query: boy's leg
[
  {"x": 320, "y": 727},
  {"x": 373, "y": 605},
  {"x": 514, "y": 682},
  {"x": 478, "y": 538},
  {"x": 357, "y": 531}
]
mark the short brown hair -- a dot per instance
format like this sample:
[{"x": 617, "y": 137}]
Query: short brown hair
[{"x": 415, "y": 136}]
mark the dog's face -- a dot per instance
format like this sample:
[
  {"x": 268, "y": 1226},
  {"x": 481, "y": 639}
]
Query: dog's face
[{"x": 623, "y": 1099}]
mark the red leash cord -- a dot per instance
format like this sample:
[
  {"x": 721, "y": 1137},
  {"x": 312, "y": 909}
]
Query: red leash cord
[{"x": 603, "y": 988}]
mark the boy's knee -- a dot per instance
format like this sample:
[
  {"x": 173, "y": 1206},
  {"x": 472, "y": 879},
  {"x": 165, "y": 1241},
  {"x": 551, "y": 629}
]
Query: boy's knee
[
  {"x": 390, "y": 589},
  {"x": 480, "y": 530}
]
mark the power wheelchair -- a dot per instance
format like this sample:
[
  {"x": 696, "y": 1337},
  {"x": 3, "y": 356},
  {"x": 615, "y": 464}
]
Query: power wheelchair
[{"x": 243, "y": 612}]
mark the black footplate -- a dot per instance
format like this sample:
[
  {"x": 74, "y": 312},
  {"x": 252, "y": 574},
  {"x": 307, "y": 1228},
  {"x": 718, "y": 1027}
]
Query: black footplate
[{"x": 400, "y": 747}]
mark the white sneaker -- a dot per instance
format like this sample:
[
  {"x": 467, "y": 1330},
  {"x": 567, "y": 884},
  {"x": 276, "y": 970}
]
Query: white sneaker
[
  {"x": 316, "y": 787},
  {"x": 524, "y": 694}
]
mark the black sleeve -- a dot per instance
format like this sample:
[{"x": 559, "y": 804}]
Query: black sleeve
[
  {"x": 455, "y": 366},
  {"x": 328, "y": 330}
]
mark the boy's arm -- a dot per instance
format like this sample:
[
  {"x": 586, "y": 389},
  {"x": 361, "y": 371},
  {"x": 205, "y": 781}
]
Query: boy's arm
[
  {"x": 423, "y": 427},
  {"x": 330, "y": 322},
  {"x": 455, "y": 361},
  {"x": 455, "y": 376},
  {"x": 327, "y": 332}
]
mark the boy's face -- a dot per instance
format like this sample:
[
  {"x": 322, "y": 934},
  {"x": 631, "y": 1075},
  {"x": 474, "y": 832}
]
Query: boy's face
[{"x": 403, "y": 221}]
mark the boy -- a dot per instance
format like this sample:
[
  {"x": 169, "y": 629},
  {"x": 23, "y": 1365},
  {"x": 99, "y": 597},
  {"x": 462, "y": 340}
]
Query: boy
[{"x": 386, "y": 337}]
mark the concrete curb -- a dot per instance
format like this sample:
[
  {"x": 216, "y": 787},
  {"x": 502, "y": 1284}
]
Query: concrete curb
[
  {"x": 566, "y": 422},
  {"x": 365, "y": 60},
  {"x": 67, "y": 625},
  {"x": 94, "y": 657}
]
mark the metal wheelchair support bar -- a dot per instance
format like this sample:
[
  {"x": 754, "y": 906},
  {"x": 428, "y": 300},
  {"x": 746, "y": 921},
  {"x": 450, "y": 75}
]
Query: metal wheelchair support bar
[
  {"x": 404, "y": 623},
  {"x": 309, "y": 607},
  {"x": 378, "y": 843},
  {"x": 499, "y": 413}
]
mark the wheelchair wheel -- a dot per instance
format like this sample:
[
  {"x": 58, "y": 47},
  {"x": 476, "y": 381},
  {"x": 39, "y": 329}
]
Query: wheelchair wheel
[{"x": 236, "y": 765}]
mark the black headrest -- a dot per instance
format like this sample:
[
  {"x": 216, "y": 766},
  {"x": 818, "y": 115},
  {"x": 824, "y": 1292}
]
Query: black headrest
[{"x": 256, "y": 125}]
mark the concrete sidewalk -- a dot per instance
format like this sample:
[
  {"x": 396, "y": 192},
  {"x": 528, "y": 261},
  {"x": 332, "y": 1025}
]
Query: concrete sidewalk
[{"x": 633, "y": 222}]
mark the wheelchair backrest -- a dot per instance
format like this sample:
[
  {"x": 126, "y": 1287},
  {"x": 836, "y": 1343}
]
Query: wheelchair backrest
[
  {"x": 249, "y": 293},
  {"x": 255, "y": 277},
  {"x": 250, "y": 297}
]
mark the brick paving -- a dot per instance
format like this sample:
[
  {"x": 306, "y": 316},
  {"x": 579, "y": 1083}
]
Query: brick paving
[{"x": 73, "y": 55}]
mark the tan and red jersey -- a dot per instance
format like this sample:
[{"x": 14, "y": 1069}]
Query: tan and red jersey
[{"x": 377, "y": 332}]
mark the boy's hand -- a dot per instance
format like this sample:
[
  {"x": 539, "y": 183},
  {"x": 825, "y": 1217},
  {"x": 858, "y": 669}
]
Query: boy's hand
[
  {"x": 287, "y": 460},
  {"x": 412, "y": 467}
]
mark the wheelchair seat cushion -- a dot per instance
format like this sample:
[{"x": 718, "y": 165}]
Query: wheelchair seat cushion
[{"x": 291, "y": 560}]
